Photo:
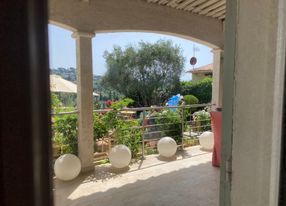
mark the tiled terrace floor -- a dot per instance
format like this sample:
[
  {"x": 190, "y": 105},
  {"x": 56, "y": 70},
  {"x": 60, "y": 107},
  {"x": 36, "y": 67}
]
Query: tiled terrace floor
[{"x": 188, "y": 179}]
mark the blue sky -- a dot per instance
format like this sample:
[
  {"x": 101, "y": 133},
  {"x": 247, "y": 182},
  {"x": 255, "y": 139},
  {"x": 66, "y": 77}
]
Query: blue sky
[{"x": 63, "y": 52}]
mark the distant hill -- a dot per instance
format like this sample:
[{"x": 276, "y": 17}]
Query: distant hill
[
  {"x": 70, "y": 75},
  {"x": 66, "y": 73}
]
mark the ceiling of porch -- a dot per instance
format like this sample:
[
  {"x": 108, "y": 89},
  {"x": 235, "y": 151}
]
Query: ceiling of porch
[
  {"x": 211, "y": 8},
  {"x": 140, "y": 16}
]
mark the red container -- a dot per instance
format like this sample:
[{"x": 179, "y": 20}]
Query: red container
[{"x": 216, "y": 127}]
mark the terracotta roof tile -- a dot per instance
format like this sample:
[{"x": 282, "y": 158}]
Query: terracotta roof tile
[{"x": 204, "y": 69}]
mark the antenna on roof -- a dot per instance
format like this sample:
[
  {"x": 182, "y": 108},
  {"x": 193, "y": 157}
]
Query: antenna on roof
[{"x": 193, "y": 60}]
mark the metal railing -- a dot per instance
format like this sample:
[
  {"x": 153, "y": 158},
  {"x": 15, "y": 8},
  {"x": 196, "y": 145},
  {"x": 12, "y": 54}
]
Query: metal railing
[{"x": 153, "y": 129}]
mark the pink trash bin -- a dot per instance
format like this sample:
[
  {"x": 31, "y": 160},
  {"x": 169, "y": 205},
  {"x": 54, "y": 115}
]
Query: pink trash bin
[{"x": 216, "y": 118}]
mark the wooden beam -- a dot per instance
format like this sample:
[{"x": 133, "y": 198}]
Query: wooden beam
[
  {"x": 214, "y": 6},
  {"x": 152, "y": 1},
  {"x": 184, "y": 4},
  {"x": 222, "y": 17},
  {"x": 192, "y": 5},
  {"x": 204, "y": 5},
  {"x": 221, "y": 8},
  {"x": 173, "y": 3},
  {"x": 163, "y": 2},
  {"x": 218, "y": 14}
]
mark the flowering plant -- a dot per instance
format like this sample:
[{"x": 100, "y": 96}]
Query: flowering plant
[
  {"x": 202, "y": 120},
  {"x": 108, "y": 103}
]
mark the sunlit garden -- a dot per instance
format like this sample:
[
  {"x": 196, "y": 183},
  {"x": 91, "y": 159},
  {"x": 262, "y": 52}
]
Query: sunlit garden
[
  {"x": 141, "y": 100},
  {"x": 145, "y": 118}
]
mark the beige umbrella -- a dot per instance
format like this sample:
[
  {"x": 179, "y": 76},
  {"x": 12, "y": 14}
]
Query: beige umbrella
[{"x": 58, "y": 84}]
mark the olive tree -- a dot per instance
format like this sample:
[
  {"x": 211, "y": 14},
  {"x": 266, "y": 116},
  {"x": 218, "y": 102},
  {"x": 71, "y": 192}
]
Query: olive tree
[{"x": 147, "y": 73}]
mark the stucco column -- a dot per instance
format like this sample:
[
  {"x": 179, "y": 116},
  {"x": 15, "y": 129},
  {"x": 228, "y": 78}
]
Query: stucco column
[
  {"x": 217, "y": 86},
  {"x": 84, "y": 98},
  {"x": 253, "y": 102}
]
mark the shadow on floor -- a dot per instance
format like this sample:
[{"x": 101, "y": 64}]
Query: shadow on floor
[{"x": 196, "y": 185}]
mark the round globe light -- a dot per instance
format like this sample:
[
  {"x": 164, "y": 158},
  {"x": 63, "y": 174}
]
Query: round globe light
[
  {"x": 207, "y": 140},
  {"x": 67, "y": 167},
  {"x": 120, "y": 156},
  {"x": 167, "y": 147}
]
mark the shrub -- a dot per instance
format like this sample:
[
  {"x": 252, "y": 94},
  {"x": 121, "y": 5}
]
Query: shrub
[
  {"x": 191, "y": 99},
  {"x": 129, "y": 134},
  {"x": 202, "y": 89},
  {"x": 122, "y": 103},
  {"x": 56, "y": 103},
  {"x": 111, "y": 118},
  {"x": 96, "y": 104},
  {"x": 202, "y": 121},
  {"x": 126, "y": 132},
  {"x": 99, "y": 127},
  {"x": 66, "y": 133},
  {"x": 171, "y": 121}
]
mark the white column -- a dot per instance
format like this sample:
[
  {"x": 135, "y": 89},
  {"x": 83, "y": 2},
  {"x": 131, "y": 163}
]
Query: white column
[
  {"x": 85, "y": 98},
  {"x": 217, "y": 86}
]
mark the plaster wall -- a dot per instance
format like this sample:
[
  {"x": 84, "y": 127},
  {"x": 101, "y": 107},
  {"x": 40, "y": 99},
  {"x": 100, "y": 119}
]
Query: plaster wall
[
  {"x": 217, "y": 74},
  {"x": 134, "y": 15},
  {"x": 257, "y": 102},
  {"x": 198, "y": 76}
]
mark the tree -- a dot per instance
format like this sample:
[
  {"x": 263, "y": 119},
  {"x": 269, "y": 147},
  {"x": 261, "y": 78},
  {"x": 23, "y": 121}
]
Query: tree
[{"x": 147, "y": 73}]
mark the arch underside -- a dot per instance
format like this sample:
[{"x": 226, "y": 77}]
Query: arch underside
[{"x": 134, "y": 15}]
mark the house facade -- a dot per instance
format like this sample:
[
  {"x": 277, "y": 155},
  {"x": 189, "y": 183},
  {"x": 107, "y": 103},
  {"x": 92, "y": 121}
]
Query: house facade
[{"x": 202, "y": 72}]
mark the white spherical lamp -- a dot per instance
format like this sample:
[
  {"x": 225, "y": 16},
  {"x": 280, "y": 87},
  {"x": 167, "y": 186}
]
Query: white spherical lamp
[
  {"x": 207, "y": 140},
  {"x": 67, "y": 167},
  {"x": 167, "y": 147},
  {"x": 120, "y": 156}
]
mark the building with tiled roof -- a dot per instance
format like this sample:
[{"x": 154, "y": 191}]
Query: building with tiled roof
[{"x": 202, "y": 72}]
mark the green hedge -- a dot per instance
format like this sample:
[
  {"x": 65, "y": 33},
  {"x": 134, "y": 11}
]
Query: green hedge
[{"x": 202, "y": 89}]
